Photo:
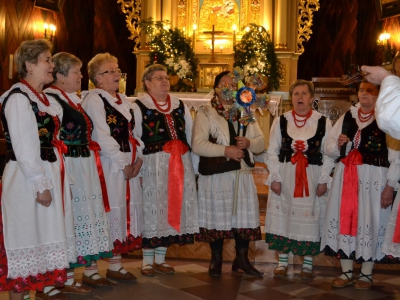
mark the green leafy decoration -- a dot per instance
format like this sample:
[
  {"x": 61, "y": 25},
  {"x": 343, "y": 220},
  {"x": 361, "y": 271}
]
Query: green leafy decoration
[
  {"x": 174, "y": 51},
  {"x": 255, "y": 53}
]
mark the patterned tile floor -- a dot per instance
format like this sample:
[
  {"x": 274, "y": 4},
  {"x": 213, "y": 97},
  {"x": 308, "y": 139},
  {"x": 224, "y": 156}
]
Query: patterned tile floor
[{"x": 191, "y": 281}]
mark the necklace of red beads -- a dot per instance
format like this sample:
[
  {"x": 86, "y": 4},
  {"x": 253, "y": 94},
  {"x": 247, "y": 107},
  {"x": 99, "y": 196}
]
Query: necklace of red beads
[
  {"x": 42, "y": 97},
  {"x": 78, "y": 107},
  {"x": 159, "y": 108},
  {"x": 300, "y": 123},
  {"x": 365, "y": 117}
]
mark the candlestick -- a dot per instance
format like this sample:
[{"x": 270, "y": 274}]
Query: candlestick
[
  {"x": 194, "y": 37},
  {"x": 234, "y": 36}
]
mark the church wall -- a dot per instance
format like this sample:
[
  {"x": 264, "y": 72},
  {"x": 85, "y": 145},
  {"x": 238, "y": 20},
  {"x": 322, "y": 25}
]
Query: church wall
[
  {"x": 84, "y": 28},
  {"x": 344, "y": 33}
]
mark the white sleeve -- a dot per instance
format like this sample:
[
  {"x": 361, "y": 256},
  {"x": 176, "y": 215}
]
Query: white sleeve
[
  {"x": 328, "y": 162},
  {"x": 94, "y": 107},
  {"x": 331, "y": 144},
  {"x": 189, "y": 133},
  {"x": 393, "y": 174},
  {"x": 272, "y": 159},
  {"x": 388, "y": 106},
  {"x": 23, "y": 130}
]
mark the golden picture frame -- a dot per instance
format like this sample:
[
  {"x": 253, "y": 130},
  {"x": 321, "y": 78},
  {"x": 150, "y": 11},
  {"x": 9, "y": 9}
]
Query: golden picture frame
[
  {"x": 52, "y": 5},
  {"x": 387, "y": 8}
]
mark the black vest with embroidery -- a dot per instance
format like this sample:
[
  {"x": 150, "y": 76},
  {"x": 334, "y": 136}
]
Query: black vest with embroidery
[
  {"x": 118, "y": 125},
  {"x": 155, "y": 130},
  {"x": 373, "y": 147},
  {"x": 46, "y": 127},
  {"x": 313, "y": 152},
  {"x": 73, "y": 130}
]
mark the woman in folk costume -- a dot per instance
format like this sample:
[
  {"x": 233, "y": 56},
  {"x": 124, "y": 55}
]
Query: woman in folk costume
[
  {"x": 37, "y": 240},
  {"x": 164, "y": 124},
  {"x": 357, "y": 213},
  {"x": 120, "y": 155},
  {"x": 223, "y": 154},
  {"x": 299, "y": 173},
  {"x": 82, "y": 161}
]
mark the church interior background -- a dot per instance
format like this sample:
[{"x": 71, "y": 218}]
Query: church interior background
[{"x": 311, "y": 38}]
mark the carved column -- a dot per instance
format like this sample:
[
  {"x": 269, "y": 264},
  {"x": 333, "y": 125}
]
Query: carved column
[
  {"x": 281, "y": 20},
  {"x": 166, "y": 11}
]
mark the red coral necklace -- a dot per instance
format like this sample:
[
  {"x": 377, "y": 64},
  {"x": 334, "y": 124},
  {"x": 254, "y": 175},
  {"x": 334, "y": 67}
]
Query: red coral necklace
[
  {"x": 163, "y": 110},
  {"x": 300, "y": 123},
  {"x": 43, "y": 99},
  {"x": 367, "y": 116}
]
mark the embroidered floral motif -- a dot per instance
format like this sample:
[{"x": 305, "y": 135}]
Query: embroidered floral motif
[
  {"x": 281, "y": 243},
  {"x": 111, "y": 119},
  {"x": 71, "y": 134},
  {"x": 152, "y": 127},
  {"x": 374, "y": 142}
]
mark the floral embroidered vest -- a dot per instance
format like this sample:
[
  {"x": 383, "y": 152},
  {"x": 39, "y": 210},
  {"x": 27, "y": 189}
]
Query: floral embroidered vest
[
  {"x": 73, "y": 130},
  {"x": 45, "y": 125},
  {"x": 313, "y": 152},
  {"x": 373, "y": 147},
  {"x": 156, "y": 132},
  {"x": 118, "y": 125}
]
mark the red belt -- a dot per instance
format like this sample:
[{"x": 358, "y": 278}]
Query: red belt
[
  {"x": 175, "y": 181},
  {"x": 301, "y": 175},
  {"x": 62, "y": 148},
  {"x": 95, "y": 147},
  {"x": 349, "y": 203}
]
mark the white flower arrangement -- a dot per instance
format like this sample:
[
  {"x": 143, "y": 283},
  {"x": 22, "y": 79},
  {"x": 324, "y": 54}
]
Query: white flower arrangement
[{"x": 179, "y": 66}]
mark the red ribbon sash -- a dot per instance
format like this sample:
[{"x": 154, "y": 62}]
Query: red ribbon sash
[
  {"x": 301, "y": 175},
  {"x": 349, "y": 203},
  {"x": 396, "y": 234},
  {"x": 134, "y": 144},
  {"x": 95, "y": 147},
  {"x": 175, "y": 181},
  {"x": 62, "y": 148}
]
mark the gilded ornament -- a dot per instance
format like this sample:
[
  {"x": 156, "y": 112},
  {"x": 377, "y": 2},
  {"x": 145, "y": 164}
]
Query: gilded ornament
[
  {"x": 132, "y": 9},
  {"x": 304, "y": 22}
]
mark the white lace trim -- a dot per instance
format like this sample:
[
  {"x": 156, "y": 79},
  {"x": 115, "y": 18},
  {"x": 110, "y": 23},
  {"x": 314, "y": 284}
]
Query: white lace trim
[
  {"x": 54, "y": 109},
  {"x": 148, "y": 102},
  {"x": 119, "y": 161},
  {"x": 315, "y": 116},
  {"x": 273, "y": 176},
  {"x": 215, "y": 129},
  {"x": 41, "y": 184},
  {"x": 37, "y": 260},
  {"x": 72, "y": 96}
]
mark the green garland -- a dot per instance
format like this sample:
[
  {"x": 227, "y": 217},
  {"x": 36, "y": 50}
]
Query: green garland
[
  {"x": 255, "y": 53},
  {"x": 172, "y": 50}
]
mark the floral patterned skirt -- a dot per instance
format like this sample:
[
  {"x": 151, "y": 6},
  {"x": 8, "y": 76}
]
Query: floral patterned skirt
[
  {"x": 286, "y": 245},
  {"x": 166, "y": 241},
  {"x": 212, "y": 235},
  {"x": 85, "y": 261},
  {"x": 129, "y": 245},
  {"x": 387, "y": 259}
]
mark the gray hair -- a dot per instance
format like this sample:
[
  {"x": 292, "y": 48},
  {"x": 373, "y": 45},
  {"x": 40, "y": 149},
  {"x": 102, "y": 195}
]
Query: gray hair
[
  {"x": 148, "y": 73},
  {"x": 298, "y": 82},
  {"x": 63, "y": 62},
  {"x": 96, "y": 62},
  {"x": 29, "y": 51}
]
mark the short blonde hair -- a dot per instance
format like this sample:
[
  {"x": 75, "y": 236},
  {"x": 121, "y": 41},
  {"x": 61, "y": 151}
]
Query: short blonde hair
[
  {"x": 63, "y": 62},
  {"x": 148, "y": 73},
  {"x": 29, "y": 51},
  {"x": 298, "y": 82},
  {"x": 96, "y": 62}
]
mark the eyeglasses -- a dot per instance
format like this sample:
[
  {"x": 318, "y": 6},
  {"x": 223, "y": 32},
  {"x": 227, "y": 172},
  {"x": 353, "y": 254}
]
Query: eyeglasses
[
  {"x": 112, "y": 72},
  {"x": 160, "y": 78}
]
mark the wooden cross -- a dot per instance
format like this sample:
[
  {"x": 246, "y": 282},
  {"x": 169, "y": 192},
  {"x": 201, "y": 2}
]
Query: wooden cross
[{"x": 213, "y": 33}]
